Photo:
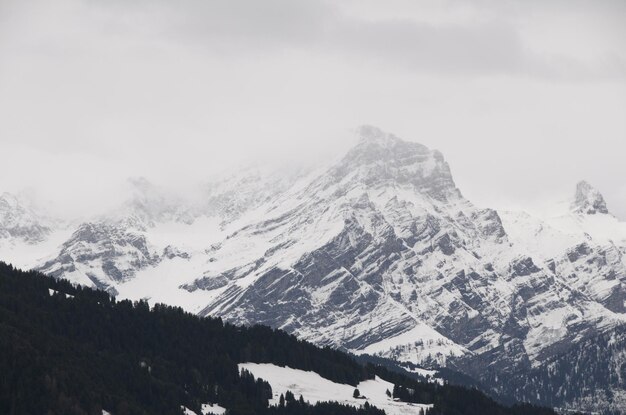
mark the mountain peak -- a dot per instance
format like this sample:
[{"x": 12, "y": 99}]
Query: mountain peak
[
  {"x": 369, "y": 134},
  {"x": 9, "y": 200},
  {"x": 588, "y": 200},
  {"x": 373, "y": 140},
  {"x": 383, "y": 159}
]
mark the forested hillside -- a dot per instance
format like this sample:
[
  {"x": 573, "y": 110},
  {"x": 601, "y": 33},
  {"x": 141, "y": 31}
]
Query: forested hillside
[
  {"x": 74, "y": 350},
  {"x": 593, "y": 371}
]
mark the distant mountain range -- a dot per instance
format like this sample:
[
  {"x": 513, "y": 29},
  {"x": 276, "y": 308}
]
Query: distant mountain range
[{"x": 378, "y": 253}]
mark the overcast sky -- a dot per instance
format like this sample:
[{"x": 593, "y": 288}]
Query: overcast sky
[{"x": 524, "y": 98}]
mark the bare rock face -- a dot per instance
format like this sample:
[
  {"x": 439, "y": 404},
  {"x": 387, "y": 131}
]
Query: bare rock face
[
  {"x": 105, "y": 253},
  {"x": 588, "y": 200}
]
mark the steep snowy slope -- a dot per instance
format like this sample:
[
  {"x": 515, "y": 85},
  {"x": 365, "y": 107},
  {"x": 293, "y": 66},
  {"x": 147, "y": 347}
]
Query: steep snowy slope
[
  {"x": 549, "y": 233},
  {"x": 581, "y": 242},
  {"x": 27, "y": 233},
  {"x": 153, "y": 228}
]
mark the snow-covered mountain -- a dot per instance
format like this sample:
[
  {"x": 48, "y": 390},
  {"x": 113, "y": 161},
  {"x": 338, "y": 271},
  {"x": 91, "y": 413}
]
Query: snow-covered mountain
[
  {"x": 27, "y": 233},
  {"x": 113, "y": 250},
  {"x": 20, "y": 221},
  {"x": 378, "y": 253}
]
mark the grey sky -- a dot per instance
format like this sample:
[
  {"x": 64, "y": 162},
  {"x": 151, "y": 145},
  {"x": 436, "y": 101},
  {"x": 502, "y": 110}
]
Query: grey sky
[{"x": 524, "y": 98}]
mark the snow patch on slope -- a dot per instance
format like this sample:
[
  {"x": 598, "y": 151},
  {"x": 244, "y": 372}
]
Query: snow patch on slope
[
  {"x": 416, "y": 345},
  {"x": 315, "y": 388},
  {"x": 207, "y": 409},
  {"x": 212, "y": 409},
  {"x": 162, "y": 284},
  {"x": 26, "y": 255}
]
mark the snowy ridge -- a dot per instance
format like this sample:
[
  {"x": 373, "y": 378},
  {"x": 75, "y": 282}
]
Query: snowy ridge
[{"x": 419, "y": 344}]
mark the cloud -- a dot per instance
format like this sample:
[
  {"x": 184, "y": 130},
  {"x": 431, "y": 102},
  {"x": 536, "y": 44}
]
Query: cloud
[
  {"x": 469, "y": 50},
  {"x": 548, "y": 39},
  {"x": 95, "y": 91}
]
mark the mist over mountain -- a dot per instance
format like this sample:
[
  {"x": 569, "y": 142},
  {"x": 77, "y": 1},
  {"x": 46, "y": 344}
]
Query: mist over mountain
[{"x": 95, "y": 92}]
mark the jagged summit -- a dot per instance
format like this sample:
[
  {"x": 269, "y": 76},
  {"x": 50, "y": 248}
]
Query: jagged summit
[
  {"x": 369, "y": 134},
  {"x": 381, "y": 158},
  {"x": 588, "y": 200}
]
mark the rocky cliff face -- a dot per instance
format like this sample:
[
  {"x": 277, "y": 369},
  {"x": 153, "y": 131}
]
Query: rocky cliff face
[
  {"x": 379, "y": 253},
  {"x": 364, "y": 253},
  {"x": 102, "y": 254},
  {"x": 588, "y": 200}
]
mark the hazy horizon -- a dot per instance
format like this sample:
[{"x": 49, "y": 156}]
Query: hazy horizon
[{"x": 524, "y": 99}]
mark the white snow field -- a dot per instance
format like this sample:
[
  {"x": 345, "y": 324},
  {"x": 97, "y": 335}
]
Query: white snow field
[
  {"x": 315, "y": 388},
  {"x": 207, "y": 409},
  {"x": 212, "y": 409}
]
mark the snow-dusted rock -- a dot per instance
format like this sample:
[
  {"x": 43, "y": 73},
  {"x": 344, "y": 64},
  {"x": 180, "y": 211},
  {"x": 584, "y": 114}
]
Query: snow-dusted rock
[
  {"x": 20, "y": 221},
  {"x": 100, "y": 254},
  {"x": 588, "y": 200}
]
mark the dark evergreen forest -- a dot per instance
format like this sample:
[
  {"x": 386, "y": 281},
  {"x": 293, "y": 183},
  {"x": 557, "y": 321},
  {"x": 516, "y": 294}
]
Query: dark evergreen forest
[{"x": 74, "y": 350}]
